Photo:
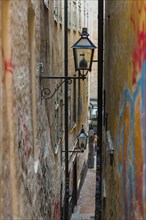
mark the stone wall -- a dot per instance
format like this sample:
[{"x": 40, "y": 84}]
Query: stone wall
[
  {"x": 125, "y": 84},
  {"x": 32, "y": 168},
  {"x": 29, "y": 167}
]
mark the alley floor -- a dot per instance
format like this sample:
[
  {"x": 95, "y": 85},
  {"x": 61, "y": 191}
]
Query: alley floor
[{"x": 85, "y": 208}]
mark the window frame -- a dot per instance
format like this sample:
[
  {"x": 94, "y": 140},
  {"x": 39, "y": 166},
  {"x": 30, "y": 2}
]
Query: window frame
[
  {"x": 74, "y": 103},
  {"x": 79, "y": 99},
  {"x": 60, "y": 11},
  {"x": 69, "y": 15},
  {"x": 61, "y": 112},
  {"x": 56, "y": 120},
  {"x": 79, "y": 15},
  {"x": 56, "y": 10},
  {"x": 69, "y": 105},
  {"x": 74, "y": 15},
  {"x": 46, "y": 3}
]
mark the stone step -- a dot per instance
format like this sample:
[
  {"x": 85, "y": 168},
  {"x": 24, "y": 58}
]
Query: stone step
[{"x": 77, "y": 216}]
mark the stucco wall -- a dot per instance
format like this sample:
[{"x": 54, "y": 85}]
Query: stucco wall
[
  {"x": 31, "y": 171},
  {"x": 93, "y": 35},
  {"x": 125, "y": 84},
  {"x": 29, "y": 168}
]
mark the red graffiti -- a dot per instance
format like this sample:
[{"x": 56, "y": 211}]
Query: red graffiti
[
  {"x": 8, "y": 66},
  {"x": 57, "y": 208},
  {"x": 139, "y": 50},
  {"x": 139, "y": 55}
]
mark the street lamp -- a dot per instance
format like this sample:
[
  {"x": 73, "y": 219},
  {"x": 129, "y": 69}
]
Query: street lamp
[
  {"x": 91, "y": 132},
  {"x": 82, "y": 140},
  {"x": 112, "y": 157},
  {"x": 83, "y": 51}
]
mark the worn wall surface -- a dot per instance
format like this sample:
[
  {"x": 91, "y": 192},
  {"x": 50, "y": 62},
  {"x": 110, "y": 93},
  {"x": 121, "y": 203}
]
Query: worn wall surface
[
  {"x": 28, "y": 164},
  {"x": 32, "y": 163},
  {"x": 125, "y": 84},
  {"x": 93, "y": 35}
]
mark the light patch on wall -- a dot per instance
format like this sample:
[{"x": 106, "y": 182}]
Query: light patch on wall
[{"x": 36, "y": 166}]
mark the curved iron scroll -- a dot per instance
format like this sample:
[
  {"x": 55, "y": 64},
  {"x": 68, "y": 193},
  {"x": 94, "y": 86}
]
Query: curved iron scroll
[
  {"x": 83, "y": 75},
  {"x": 46, "y": 93}
]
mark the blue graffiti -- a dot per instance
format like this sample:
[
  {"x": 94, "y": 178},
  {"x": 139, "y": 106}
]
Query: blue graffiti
[{"x": 131, "y": 166}]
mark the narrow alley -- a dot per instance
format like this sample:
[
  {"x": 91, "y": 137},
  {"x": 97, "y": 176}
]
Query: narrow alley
[
  {"x": 72, "y": 86},
  {"x": 85, "y": 209}
]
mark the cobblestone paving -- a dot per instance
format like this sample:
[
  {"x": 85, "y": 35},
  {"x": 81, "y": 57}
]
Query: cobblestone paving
[{"x": 85, "y": 208}]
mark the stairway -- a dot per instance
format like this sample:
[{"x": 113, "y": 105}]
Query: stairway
[
  {"x": 85, "y": 208},
  {"x": 77, "y": 216}
]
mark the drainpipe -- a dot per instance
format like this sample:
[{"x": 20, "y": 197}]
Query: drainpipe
[
  {"x": 66, "y": 217},
  {"x": 98, "y": 196}
]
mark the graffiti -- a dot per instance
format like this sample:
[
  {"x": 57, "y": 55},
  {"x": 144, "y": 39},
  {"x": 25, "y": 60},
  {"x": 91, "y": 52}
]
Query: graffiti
[
  {"x": 24, "y": 135},
  {"x": 57, "y": 209},
  {"x": 139, "y": 27},
  {"x": 130, "y": 152},
  {"x": 8, "y": 66},
  {"x": 139, "y": 55},
  {"x": 131, "y": 138}
]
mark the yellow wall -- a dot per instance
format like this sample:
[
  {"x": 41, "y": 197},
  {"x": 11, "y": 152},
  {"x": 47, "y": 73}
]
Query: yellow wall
[
  {"x": 125, "y": 84},
  {"x": 30, "y": 35}
]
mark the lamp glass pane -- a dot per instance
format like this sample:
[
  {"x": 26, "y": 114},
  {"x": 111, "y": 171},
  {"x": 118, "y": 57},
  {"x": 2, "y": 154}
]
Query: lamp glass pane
[
  {"x": 83, "y": 58},
  {"x": 82, "y": 142},
  {"x": 83, "y": 42},
  {"x": 82, "y": 138}
]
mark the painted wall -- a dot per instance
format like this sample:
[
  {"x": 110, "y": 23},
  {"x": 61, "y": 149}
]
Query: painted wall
[
  {"x": 125, "y": 84},
  {"x": 31, "y": 171}
]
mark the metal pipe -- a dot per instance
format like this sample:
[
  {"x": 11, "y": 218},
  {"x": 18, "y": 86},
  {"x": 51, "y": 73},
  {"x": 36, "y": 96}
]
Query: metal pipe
[
  {"x": 66, "y": 216},
  {"x": 98, "y": 196}
]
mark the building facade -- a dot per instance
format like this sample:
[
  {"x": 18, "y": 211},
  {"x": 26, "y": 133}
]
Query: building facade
[
  {"x": 32, "y": 134},
  {"x": 94, "y": 33},
  {"x": 125, "y": 85}
]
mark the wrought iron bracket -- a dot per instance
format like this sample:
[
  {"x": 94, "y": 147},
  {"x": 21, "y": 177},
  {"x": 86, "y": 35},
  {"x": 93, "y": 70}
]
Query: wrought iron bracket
[
  {"x": 74, "y": 151},
  {"x": 46, "y": 93}
]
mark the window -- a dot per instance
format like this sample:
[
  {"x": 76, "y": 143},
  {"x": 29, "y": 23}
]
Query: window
[
  {"x": 69, "y": 105},
  {"x": 60, "y": 11},
  {"x": 79, "y": 17},
  {"x": 74, "y": 102},
  {"x": 58, "y": 115},
  {"x": 87, "y": 88},
  {"x": 61, "y": 112},
  {"x": 69, "y": 110},
  {"x": 55, "y": 10},
  {"x": 74, "y": 14},
  {"x": 46, "y": 3},
  {"x": 79, "y": 99},
  {"x": 61, "y": 117},
  {"x": 69, "y": 14},
  {"x": 56, "y": 120},
  {"x": 87, "y": 18},
  {"x": 86, "y": 15}
]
